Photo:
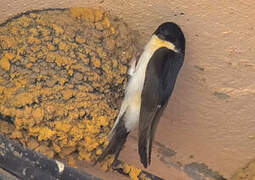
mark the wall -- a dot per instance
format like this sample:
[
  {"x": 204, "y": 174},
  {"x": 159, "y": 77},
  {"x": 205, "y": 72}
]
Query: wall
[{"x": 210, "y": 118}]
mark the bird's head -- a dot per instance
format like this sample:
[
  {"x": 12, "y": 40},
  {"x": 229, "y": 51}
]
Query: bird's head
[{"x": 172, "y": 33}]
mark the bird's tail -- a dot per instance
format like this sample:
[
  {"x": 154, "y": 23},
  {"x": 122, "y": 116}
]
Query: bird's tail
[{"x": 117, "y": 139}]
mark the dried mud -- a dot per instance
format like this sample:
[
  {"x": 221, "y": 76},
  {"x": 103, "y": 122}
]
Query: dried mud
[
  {"x": 62, "y": 78},
  {"x": 246, "y": 173}
]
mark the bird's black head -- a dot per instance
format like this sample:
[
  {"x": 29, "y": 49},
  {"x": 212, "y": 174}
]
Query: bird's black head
[{"x": 171, "y": 32}]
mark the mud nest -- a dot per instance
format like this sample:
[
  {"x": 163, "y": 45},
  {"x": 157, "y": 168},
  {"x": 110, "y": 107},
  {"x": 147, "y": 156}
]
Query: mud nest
[
  {"x": 246, "y": 173},
  {"x": 62, "y": 78}
]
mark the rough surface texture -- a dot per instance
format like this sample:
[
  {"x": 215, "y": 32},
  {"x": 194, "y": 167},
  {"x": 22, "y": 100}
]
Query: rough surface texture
[
  {"x": 60, "y": 80},
  {"x": 210, "y": 118},
  {"x": 18, "y": 162},
  {"x": 246, "y": 173}
]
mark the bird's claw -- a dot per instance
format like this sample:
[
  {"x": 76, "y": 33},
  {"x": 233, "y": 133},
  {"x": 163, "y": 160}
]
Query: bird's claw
[{"x": 132, "y": 65}]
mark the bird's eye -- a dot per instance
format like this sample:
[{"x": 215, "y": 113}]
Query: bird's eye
[{"x": 162, "y": 30}]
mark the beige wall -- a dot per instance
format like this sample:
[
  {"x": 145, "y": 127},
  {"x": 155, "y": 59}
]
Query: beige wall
[{"x": 211, "y": 115}]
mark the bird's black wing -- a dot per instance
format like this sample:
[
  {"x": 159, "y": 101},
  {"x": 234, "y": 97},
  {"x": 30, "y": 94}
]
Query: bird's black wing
[{"x": 160, "y": 77}]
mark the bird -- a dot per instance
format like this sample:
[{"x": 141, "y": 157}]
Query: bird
[{"x": 151, "y": 83}]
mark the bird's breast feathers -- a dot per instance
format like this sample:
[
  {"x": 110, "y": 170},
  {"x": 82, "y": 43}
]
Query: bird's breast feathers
[{"x": 136, "y": 82}]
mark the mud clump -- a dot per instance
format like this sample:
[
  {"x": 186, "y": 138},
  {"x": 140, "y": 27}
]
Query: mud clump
[
  {"x": 246, "y": 173},
  {"x": 62, "y": 78},
  {"x": 133, "y": 172}
]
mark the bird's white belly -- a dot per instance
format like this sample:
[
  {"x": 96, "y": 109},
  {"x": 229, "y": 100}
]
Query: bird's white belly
[{"x": 134, "y": 91}]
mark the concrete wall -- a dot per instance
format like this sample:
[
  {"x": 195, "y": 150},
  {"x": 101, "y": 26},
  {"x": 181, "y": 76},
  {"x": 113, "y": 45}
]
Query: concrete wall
[{"x": 210, "y": 118}]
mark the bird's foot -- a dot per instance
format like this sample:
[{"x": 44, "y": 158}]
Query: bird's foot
[{"x": 132, "y": 64}]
